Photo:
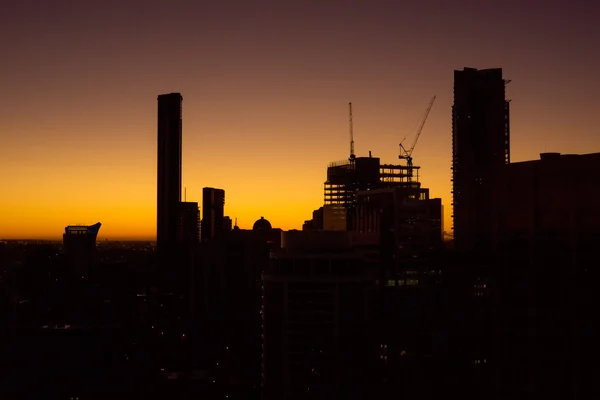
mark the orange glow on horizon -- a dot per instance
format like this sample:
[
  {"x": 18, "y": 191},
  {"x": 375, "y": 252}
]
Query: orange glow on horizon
[{"x": 264, "y": 102}]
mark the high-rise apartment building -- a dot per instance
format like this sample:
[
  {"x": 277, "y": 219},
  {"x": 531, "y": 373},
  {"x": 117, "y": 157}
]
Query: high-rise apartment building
[
  {"x": 189, "y": 223},
  {"x": 480, "y": 148},
  {"x": 315, "y": 318},
  {"x": 546, "y": 234},
  {"x": 169, "y": 169},
  {"x": 213, "y": 209}
]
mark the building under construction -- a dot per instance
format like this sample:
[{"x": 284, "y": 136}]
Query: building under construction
[{"x": 345, "y": 178}]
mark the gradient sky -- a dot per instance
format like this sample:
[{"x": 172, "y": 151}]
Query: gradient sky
[{"x": 265, "y": 87}]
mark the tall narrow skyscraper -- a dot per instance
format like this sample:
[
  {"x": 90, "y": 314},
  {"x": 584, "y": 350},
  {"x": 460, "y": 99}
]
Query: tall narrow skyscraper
[
  {"x": 213, "y": 206},
  {"x": 480, "y": 148},
  {"x": 169, "y": 169}
]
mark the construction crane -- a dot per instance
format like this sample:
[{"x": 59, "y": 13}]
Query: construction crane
[
  {"x": 351, "y": 128},
  {"x": 407, "y": 154}
]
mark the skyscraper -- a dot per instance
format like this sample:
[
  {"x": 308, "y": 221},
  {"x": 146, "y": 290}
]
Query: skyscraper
[
  {"x": 213, "y": 210},
  {"x": 315, "y": 318},
  {"x": 80, "y": 248},
  {"x": 189, "y": 223},
  {"x": 169, "y": 169},
  {"x": 480, "y": 148}
]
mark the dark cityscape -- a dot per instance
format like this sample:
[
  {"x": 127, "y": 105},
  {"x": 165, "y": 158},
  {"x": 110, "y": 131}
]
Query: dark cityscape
[{"x": 378, "y": 295}]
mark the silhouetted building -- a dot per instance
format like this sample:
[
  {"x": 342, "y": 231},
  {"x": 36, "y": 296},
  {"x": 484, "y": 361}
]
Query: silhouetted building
[
  {"x": 229, "y": 303},
  {"x": 262, "y": 225},
  {"x": 169, "y": 169},
  {"x": 546, "y": 230},
  {"x": 315, "y": 313},
  {"x": 334, "y": 217},
  {"x": 344, "y": 178},
  {"x": 429, "y": 333},
  {"x": 179, "y": 279},
  {"x": 227, "y": 224},
  {"x": 424, "y": 340},
  {"x": 317, "y": 218},
  {"x": 316, "y": 223},
  {"x": 555, "y": 199},
  {"x": 80, "y": 248},
  {"x": 480, "y": 148},
  {"x": 414, "y": 219},
  {"x": 189, "y": 223},
  {"x": 330, "y": 217},
  {"x": 213, "y": 208},
  {"x": 75, "y": 279},
  {"x": 419, "y": 343}
]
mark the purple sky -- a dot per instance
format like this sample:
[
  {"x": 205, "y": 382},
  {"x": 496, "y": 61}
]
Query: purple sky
[{"x": 265, "y": 86}]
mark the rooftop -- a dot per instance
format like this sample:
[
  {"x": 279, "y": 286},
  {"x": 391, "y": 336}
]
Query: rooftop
[{"x": 83, "y": 229}]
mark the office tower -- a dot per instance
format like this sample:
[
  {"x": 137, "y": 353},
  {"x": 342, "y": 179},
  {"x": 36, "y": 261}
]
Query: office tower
[
  {"x": 80, "y": 258},
  {"x": 315, "y": 314},
  {"x": 169, "y": 169},
  {"x": 213, "y": 208},
  {"x": 80, "y": 247},
  {"x": 189, "y": 223},
  {"x": 546, "y": 248},
  {"x": 181, "y": 275},
  {"x": 480, "y": 148}
]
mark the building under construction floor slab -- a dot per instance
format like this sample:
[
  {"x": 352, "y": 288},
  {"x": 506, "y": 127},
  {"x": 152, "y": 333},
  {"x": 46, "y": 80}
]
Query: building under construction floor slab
[{"x": 345, "y": 178}]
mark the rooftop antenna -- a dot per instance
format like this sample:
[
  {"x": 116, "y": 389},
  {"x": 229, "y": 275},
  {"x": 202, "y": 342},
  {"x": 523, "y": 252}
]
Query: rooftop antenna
[
  {"x": 351, "y": 127},
  {"x": 235, "y": 221}
]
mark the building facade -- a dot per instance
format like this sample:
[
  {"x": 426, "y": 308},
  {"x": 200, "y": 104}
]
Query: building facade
[
  {"x": 213, "y": 213},
  {"x": 546, "y": 229},
  {"x": 80, "y": 247},
  {"x": 344, "y": 178},
  {"x": 168, "y": 169},
  {"x": 480, "y": 148},
  {"x": 189, "y": 223},
  {"x": 315, "y": 313}
]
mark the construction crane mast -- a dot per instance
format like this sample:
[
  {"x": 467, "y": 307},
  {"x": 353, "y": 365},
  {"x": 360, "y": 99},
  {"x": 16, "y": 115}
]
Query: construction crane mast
[
  {"x": 407, "y": 154},
  {"x": 351, "y": 128}
]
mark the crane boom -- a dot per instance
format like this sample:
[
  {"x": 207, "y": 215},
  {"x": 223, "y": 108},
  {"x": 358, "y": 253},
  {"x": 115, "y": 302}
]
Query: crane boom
[
  {"x": 414, "y": 143},
  {"x": 351, "y": 128},
  {"x": 407, "y": 154}
]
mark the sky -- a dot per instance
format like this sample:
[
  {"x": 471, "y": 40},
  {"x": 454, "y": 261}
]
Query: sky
[{"x": 265, "y": 86}]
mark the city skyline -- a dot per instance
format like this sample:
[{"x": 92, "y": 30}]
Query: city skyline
[{"x": 264, "y": 117}]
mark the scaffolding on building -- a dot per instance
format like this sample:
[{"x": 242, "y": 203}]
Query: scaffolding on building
[{"x": 345, "y": 178}]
